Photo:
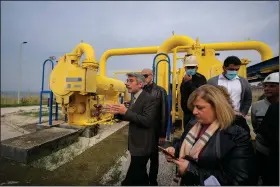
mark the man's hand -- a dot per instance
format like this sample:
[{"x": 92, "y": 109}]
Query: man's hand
[
  {"x": 187, "y": 77},
  {"x": 161, "y": 141},
  {"x": 115, "y": 109}
]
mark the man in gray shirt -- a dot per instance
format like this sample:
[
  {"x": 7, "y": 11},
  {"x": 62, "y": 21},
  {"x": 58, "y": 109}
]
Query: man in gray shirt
[{"x": 258, "y": 112}]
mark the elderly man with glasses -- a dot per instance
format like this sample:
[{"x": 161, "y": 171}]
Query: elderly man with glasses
[{"x": 160, "y": 135}]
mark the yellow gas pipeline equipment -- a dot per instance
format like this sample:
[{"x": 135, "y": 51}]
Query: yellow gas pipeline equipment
[
  {"x": 209, "y": 65},
  {"x": 80, "y": 91}
]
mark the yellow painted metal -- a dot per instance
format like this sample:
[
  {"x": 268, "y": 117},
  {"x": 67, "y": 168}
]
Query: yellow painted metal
[
  {"x": 166, "y": 47},
  {"x": 78, "y": 87},
  {"x": 263, "y": 49},
  {"x": 80, "y": 90},
  {"x": 209, "y": 65},
  {"x": 174, "y": 80},
  {"x": 124, "y": 72},
  {"x": 243, "y": 68},
  {"x": 123, "y": 52}
]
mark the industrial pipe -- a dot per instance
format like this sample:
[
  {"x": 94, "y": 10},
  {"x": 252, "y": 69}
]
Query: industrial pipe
[
  {"x": 125, "y": 51},
  {"x": 124, "y": 72},
  {"x": 174, "y": 73},
  {"x": 174, "y": 41},
  {"x": 87, "y": 50},
  {"x": 264, "y": 50},
  {"x": 166, "y": 47}
]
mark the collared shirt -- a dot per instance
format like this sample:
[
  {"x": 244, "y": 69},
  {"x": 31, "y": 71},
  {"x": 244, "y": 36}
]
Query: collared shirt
[
  {"x": 234, "y": 89},
  {"x": 136, "y": 95}
]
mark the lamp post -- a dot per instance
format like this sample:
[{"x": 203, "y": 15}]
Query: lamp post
[{"x": 19, "y": 75}]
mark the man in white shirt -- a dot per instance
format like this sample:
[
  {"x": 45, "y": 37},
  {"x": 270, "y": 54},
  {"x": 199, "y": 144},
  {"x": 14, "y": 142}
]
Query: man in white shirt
[{"x": 237, "y": 86}]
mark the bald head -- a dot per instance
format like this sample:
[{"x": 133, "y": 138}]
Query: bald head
[
  {"x": 147, "y": 71},
  {"x": 148, "y": 74}
]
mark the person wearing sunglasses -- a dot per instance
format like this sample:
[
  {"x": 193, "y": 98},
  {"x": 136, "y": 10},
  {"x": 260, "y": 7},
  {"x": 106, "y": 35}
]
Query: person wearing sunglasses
[
  {"x": 160, "y": 134},
  {"x": 191, "y": 81}
]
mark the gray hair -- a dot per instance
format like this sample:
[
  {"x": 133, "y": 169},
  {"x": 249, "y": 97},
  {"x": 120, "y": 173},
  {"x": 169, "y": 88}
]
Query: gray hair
[{"x": 139, "y": 78}]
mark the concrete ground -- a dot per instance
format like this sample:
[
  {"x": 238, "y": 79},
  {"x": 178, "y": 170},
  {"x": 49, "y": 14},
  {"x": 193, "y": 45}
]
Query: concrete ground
[
  {"x": 9, "y": 110},
  {"x": 117, "y": 173},
  {"x": 17, "y": 121}
]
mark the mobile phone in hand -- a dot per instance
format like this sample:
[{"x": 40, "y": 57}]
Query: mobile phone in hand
[{"x": 167, "y": 153}]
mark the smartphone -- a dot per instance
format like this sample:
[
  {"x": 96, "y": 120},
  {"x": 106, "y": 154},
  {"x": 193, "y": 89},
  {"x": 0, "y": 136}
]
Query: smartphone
[{"x": 167, "y": 153}]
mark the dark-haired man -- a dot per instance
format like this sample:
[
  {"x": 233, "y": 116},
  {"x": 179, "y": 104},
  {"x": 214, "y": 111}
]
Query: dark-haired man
[{"x": 237, "y": 86}]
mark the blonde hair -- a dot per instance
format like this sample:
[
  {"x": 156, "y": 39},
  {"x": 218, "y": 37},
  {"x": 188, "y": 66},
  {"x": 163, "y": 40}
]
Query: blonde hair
[
  {"x": 218, "y": 98},
  {"x": 226, "y": 94}
]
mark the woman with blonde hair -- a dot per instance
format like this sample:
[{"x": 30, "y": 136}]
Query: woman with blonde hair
[{"x": 216, "y": 146}]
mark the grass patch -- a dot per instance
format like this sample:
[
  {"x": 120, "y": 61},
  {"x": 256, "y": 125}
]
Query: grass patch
[
  {"x": 18, "y": 105},
  {"x": 36, "y": 114},
  {"x": 115, "y": 175},
  {"x": 86, "y": 169},
  {"x": 8, "y": 101}
]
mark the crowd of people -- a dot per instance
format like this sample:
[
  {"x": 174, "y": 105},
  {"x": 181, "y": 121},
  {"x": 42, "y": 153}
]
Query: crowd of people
[{"x": 216, "y": 146}]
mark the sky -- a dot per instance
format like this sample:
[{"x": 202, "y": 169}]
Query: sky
[{"x": 55, "y": 28}]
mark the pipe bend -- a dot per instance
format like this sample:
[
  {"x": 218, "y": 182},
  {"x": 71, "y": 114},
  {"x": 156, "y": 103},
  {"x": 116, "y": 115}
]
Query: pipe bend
[
  {"x": 124, "y": 51},
  {"x": 175, "y": 41},
  {"x": 87, "y": 50},
  {"x": 264, "y": 50}
]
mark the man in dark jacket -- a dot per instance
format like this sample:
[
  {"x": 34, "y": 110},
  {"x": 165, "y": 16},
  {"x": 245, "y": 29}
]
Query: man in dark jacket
[
  {"x": 265, "y": 130},
  {"x": 142, "y": 117},
  {"x": 191, "y": 81},
  {"x": 160, "y": 94},
  {"x": 269, "y": 129}
]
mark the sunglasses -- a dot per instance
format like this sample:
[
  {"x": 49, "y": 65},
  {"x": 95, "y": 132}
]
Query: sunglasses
[{"x": 145, "y": 75}]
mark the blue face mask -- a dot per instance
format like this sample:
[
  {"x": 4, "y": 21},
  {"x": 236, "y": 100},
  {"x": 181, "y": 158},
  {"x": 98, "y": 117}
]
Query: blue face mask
[
  {"x": 191, "y": 71},
  {"x": 231, "y": 74}
]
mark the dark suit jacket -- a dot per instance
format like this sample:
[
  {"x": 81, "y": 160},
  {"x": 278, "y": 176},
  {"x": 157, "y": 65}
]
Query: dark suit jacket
[
  {"x": 160, "y": 94},
  {"x": 142, "y": 117}
]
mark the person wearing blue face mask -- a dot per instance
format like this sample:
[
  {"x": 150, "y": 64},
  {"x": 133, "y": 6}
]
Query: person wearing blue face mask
[
  {"x": 237, "y": 86},
  {"x": 191, "y": 81}
]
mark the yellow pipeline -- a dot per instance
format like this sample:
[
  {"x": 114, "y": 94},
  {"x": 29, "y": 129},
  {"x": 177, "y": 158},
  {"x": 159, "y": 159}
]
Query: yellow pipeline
[
  {"x": 264, "y": 50},
  {"x": 167, "y": 46},
  {"x": 174, "y": 76},
  {"x": 174, "y": 41},
  {"x": 124, "y": 72},
  {"x": 87, "y": 50},
  {"x": 125, "y": 51}
]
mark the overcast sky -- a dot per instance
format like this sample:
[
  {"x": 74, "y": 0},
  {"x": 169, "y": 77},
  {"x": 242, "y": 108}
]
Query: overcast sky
[{"x": 54, "y": 28}]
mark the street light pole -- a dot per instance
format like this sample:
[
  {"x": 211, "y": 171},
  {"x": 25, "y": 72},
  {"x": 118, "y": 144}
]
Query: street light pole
[{"x": 19, "y": 74}]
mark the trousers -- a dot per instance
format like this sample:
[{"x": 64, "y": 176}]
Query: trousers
[{"x": 137, "y": 172}]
